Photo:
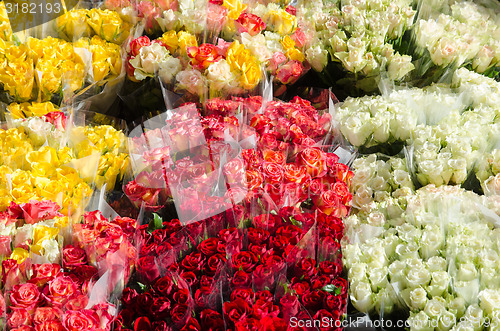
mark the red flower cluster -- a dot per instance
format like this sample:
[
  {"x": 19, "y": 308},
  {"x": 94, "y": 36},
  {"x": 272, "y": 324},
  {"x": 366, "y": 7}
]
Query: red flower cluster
[{"x": 265, "y": 273}]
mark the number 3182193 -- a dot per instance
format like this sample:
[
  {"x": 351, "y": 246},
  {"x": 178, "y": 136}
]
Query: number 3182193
[{"x": 33, "y": 8}]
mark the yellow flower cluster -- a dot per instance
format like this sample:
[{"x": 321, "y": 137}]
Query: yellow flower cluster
[
  {"x": 16, "y": 70},
  {"x": 292, "y": 52},
  {"x": 178, "y": 41},
  {"x": 30, "y": 109},
  {"x": 58, "y": 66},
  {"x": 241, "y": 60},
  {"x": 106, "y": 57},
  {"x": 5, "y": 28},
  {"x": 105, "y": 23}
]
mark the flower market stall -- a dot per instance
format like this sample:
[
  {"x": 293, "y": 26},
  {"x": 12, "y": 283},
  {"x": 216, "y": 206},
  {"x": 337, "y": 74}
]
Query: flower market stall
[{"x": 206, "y": 165}]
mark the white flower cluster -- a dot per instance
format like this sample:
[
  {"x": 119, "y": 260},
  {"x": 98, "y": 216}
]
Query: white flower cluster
[
  {"x": 375, "y": 120},
  {"x": 155, "y": 59},
  {"x": 438, "y": 258},
  {"x": 469, "y": 33},
  {"x": 40, "y": 132},
  {"x": 377, "y": 180},
  {"x": 358, "y": 34}
]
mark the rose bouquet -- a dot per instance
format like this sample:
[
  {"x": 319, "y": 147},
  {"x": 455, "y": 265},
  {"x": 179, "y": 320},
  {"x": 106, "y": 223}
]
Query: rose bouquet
[
  {"x": 353, "y": 43},
  {"x": 431, "y": 254},
  {"x": 212, "y": 274}
]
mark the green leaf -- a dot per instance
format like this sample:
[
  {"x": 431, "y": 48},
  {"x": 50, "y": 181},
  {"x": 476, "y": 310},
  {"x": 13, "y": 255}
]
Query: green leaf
[
  {"x": 155, "y": 224},
  {"x": 143, "y": 287},
  {"x": 330, "y": 288}
]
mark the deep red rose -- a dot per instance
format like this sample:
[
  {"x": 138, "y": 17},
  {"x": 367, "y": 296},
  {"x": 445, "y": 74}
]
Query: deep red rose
[
  {"x": 305, "y": 268},
  {"x": 324, "y": 314},
  {"x": 258, "y": 250},
  {"x": 214, "y": 264},
  {"x": 144, "y": 301},
  {"x": 160, "y": 308},
  {"x": 257, "y": 236},
  {"x": 278, "y": 243},
  {"x": 245, "y": 261},
  {"x": 211, "y": 320},
  {"x": 237, "y": 310},
  {"x": 193, "y": 262},
  {"x": 263, "y": 276},
  {"x": 163, "y": 286},
  {"x": 189, "y": 277},
  {"x": 300, "y": 287},
  {"x": 250, "y": 23},
  {"x": 127, "y": 316},
  {"x": 291, "y": 232},
  {"x": 205, "y": 297},
  {"x": 160, "y": 326},
  {"x": 191, "y": 325},
  {"x": 340, "y": 283},
  {"x": 209, "y": 246},
  {"x": 147, "y": 269},
  {"x": 137, "y": 44},
  {"x": 248, "y": 324},
  {"x": 274, "y": 261},
  {"x": 267, "y": 222},
  {"x": 313, "y": 300},
  {"x": 269, "y": 323},
  {"x": 180, "y": 313},
  {"x": 331, "y": 268},
  {"x": 241, "y": 279},
  {"x": 142, "y": 324},
  {"x": 264, "y": 295},
  {"x": 318, "y": 282},
  {"x": 335, "y": 303},
  {"x": 129, "y": 295},
  {"x": 290, "y": 306},
  {"x": 265, "y": 308},
  {"x": 246, "y": 294}
]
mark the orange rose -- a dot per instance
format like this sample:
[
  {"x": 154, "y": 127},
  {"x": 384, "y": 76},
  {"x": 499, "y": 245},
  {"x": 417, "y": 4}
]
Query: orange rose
[{"x": 203, "y": 56}]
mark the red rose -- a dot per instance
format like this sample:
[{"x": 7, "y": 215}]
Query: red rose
[
  {"x": 191, "y": 325},
  {"x": 56, "y": 118},
  {"x": 300, "y": 288},
  {"x": 211, "y": 320},
  {"x": 128, "y": 225},
  {"x": 241, "y": 279},
  {"x": 209, "y": 246},
  {"x": 147, "y": 269},
  {"x": 341, "y": 189},
  {"x": 193, "y": 262},
  {"x": 278, "y": 243},
  {"x": 35, "y": 211},
  {"x": 160, "y": 326},
  {"x": 250, "y": 23},
  {"x": 257, "y": 236},
  {"x": 243, "y": 293},
  {"x": 291, "y": 10},
  {"x": 80, "y": 320},
  {"x": 73, "y": 257},
  {"x": 248, "y": 324},
  {"x": 163, "y": 286},
  {"x": 268, "y": 141},
  {"x": 137, "y": 44},
  {"x": 43, "y": 273},
  {"x": 263, "y": 276},
  {"x": 259, "y": 122},
  {"x": 268, "y": 222},
  {"x": 77, "y": 302},
  {"x": 306, "y": 268},
  {"x": 291, "y": 232},
  {"x": 290, "y": 306},
  {"x": 49, "y": 326},
  {"x": 245, "y": 261},
  {"x": 25, "y": 296},
  {"x": 324, "y": 314},
  {"x": 190, "y": 278},
  {"x": 60, "y": 290},
  {"x": 296, "y": 174},
  {"x": 140, "y": 194},
  {"x": 342, "y": 173},
  {"x": 258, "y": 250},
  {"x": 269, "y": 323},
  {"x": 84, "y": 273},
  {"x": 205, "y": 297},
  {"x": 318, "y": 282},
  {"x": 342, "y": 284},
  {"x": 23, "y": 328},
  {"x": 214, "y": 264},
  {"x": 160, "y": 308},
  {"x": 203, "y": 56},
  {"x": 314, "y": 160},
  {"x": 236, "y": 310},
  {"x": 331, "y": 268},
  {"x": 335, "y": 303},
  {"x": 263, "y": 308},
  {"x": 182, "y": 296},
  {"x": 46, "y": 314},
  {"x": 265, "y": 296},
  {"x": 180, "y": 313},
  {"x": 19, "y": 317},
  {"x": 313, "y": 301},
  {"x": 142, "y": 324},
  {"x": 275, "y": 262}
]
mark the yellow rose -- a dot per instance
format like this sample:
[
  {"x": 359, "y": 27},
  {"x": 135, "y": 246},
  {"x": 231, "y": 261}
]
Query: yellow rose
[
  {"x": 108, "y": 25},
  {"x": 290, "y": 50},
  {"x": 52, "y": 190},
  {"x": 16, "y": 71},
  {"x": 235, "y": 8},
  {"x": 23, "y": 194},
  {"x": 45, "y": 154},
  {"x": 241, "y": 59},
  {"x": 186, "y": 40},
  {"x": 5, "y": 199},
  {"x": 21, "y": 177},
  {"x": 19, "y": 254},
  {"x": 73, "y": 24},
  {"x": 61, "y": 222},
  {"x": 5, "y": 28},
  {"x": 41, "y": 233},
  {"x": 251, "y": 76},
  {"x": 65, "y": 155},
  {"x": 170, "y": 39},
  {"x": 281, "y": 21}
]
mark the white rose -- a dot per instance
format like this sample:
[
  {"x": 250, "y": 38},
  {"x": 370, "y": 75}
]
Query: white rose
[
  {"x": 338, "y": 43},
  {"x": 384, "y": 303},
  {"x": 361, "y": 177},
  {"x": 169, "y": 21},
  {"x": 399, "y": 66},
  {"x": 408, "y": 232},
  {"x": 357, "y": 272},
  {"x": 378, "y": 183},
  {"x": 190, "y": 80},
  {"x": 390, "y": 244},
  {"x": 436, "y": 263},
  {"x": 362, "y": 197},
  {"x": 435, "y": 307},
  {"x": 397, "y": 271},
  {"x": 489, "y": 278},
  {"x": 357, "y": 128},
  {"x": 467, "y": 290},
  {"x": 378, "y": 278},
  {"x": 219, "y": 75},
  {"x": 483, "y": 59},
  {"x": 402, "y": 178},
  {"x": 444, "y": 52},
  {"x": 464, "y": 325},
  {"x": 474, "y": 315},
  {"x": 362, "y": 296},
  {"x": 431, "y": 242},
  {"x": 428, "y": 32},
  {"x": 467, "y": 272},
  {"x": 149, "y": 59},
  {"x": 351, "y": 254},
  {"x": 456, "y": 305},
  {"x": 417, "y": 298},
  {"x": 168, "y": 69},
  {"x": 439, "y": 283},
  {"x": 420, "y": 322},
  {"x": 353, "y": 60},
  {"x": 446, "y": 321},
  {"x": 492, "y": 185},
  {"x": 317, "y": 56},
  {"x": 51, "y": 250},
  {"x": 489, "y": 300},
  {"x": 375, "y": 254},
  {"x": 376, "y": 218},
  {"x": 407, "y": 251},
  {"x": 418, "y": 277},
  {"x": 23, "y": 234}
]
